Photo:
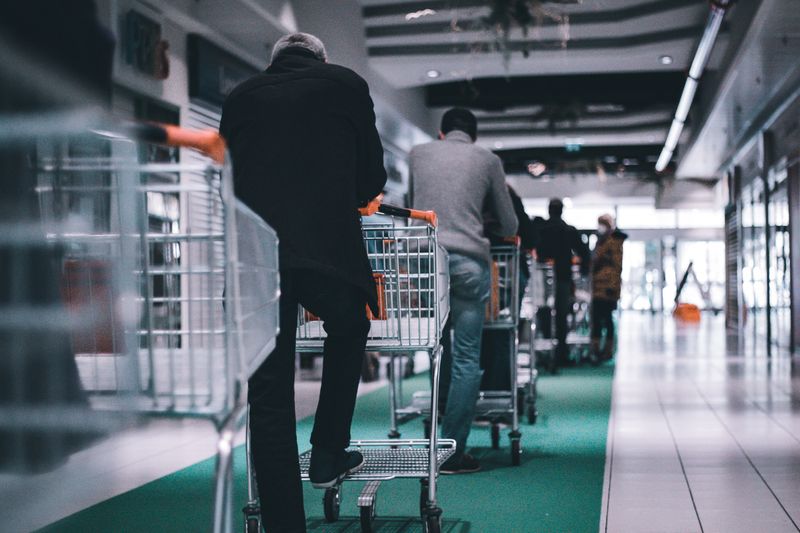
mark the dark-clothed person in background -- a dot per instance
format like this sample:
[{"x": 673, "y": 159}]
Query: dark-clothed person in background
[
  {"x": 460, "y": 182},
  {"x": 306, "y": 155},
  {"x": 560, "y": 242},
  {"x": 495, "y": 348},
  {"x": 606, "y": 285}
]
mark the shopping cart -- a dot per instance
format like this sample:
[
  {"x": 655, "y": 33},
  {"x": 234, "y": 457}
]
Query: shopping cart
[
  {"x": 543, "y": 341},
  {"x": 413, "y": 292},
  {"x": 527, "y": 373},
  {"x": 502, "y": 317},
  {"x": 579, "y": 321},
  {"x": 171, "y": 285}
]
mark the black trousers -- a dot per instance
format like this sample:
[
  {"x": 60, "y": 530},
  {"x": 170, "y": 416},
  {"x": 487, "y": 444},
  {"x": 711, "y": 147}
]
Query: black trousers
[
  {"x": 342, "y": 308},
  {"x": 602, "y": 318},
  {"x": 564, "y": 297}
]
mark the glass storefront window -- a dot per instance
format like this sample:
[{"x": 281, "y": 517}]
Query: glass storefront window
[
  {"x": 645, "y": 217},
  {"x": 701, "y": 218}
]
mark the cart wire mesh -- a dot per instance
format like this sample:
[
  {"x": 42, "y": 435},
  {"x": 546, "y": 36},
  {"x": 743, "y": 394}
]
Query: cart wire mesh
[{"x": 410, "y": 270}]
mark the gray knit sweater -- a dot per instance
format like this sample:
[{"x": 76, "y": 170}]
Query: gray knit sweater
[{"x": 460, "y": 181}]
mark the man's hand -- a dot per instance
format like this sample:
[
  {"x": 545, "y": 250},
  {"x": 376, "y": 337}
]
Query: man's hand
[{"x": 372, "y": 207}]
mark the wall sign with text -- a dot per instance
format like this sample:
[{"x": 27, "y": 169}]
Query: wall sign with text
[
  {"x": 214, "y": 72},
  {"x": 142, "y": 45}
]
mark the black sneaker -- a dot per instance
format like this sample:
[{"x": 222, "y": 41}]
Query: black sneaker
[
  {"x": 328, "y": 469},
  {"x": 466, "y": 465}
]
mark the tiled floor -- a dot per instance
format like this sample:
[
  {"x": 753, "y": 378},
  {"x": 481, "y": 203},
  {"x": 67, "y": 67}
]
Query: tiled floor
[{"x": 702, "y": 437}]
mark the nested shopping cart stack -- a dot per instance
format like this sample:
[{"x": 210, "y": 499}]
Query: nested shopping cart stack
[
  {"x": 579, "y": 321},
  {"x": 502, "y": 316},
  {"x": 169, "y": 286},
  {"x": 541, "y": 294},
  {"x": 496, "y": 407}
]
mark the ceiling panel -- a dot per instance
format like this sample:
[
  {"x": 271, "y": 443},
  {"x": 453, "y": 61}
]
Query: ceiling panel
[{"x": 602, "y": 75}]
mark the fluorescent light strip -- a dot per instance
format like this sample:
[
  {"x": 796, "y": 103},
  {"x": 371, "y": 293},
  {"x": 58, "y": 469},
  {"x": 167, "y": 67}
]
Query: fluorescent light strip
[{"x": 699, "y": 62}]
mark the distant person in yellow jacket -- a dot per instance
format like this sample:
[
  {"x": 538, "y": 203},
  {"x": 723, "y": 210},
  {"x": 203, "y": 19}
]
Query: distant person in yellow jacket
[{"x": 606, "y": 285}]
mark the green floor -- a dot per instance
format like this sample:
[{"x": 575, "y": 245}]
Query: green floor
[{"x": 558, "y": 487}]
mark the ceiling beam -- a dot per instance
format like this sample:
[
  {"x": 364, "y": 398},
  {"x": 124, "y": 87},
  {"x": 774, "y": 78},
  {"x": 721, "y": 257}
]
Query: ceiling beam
[
  {"x": 403, "y": 7},
  {"x": 575, "y": 131},
  {"x": 634, "y": 91},
  {"x": 605, "y": 16},
  {"x": 491, "y": 46}
]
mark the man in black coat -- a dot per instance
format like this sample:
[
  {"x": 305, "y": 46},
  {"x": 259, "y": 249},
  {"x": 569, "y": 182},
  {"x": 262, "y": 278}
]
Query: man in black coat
[
  {"x": 559, "y": 242},
  {"x": 306, "y": 155}
]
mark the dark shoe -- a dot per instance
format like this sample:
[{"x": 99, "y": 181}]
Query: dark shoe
[
  {"x": 595, "y": 355},
  {"x": 608, "y": 349},
  {"x": 465, "y": 465},
  {"x": 328, "y": 469}
]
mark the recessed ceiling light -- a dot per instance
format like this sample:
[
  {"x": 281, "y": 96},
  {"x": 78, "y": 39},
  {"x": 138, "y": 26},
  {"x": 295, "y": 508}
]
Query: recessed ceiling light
[
  {"x": 665, "y": 60},
  {"x": 433, "y": 74}
]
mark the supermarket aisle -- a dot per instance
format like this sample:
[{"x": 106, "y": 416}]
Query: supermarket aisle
[{"x": 702, "y": 438}]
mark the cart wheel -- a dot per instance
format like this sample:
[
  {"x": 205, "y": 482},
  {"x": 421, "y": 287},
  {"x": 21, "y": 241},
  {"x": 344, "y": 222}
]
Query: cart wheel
[
  {"x": 252, "y": 518},
  {"x": 331, "y": 503},
  {"x": 409, "y": 368},
  {"x": 393, "y": 434},
  {"x": 495, "y": 437},
  {"x": 532, "y": 414},
  {"x": 253, "y": 525},
  {"x": 552, "y": 365},
  {"x": 367, "y": 518},
  {"x": 516, "y": 452},
  {"x": 423, "y": 497},
  {"x": 433, "y": 524}
]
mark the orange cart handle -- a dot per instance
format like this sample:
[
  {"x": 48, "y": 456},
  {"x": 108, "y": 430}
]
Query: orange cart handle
[
  {"x": 515, "y": 240},
  {"x": 210, "y": 142},
  {"x": 376, "y": 207}
]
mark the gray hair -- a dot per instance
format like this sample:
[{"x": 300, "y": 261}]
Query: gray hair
[{"x": 300, "y": 40}]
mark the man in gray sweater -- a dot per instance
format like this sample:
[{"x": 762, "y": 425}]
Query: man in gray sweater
[{"x": 460, "y": 182}]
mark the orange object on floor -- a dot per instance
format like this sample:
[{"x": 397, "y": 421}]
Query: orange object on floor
[{"x": 686, "y": 313}]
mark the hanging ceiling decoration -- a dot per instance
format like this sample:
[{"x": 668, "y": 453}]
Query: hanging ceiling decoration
[{"x": 529, "y": 16}]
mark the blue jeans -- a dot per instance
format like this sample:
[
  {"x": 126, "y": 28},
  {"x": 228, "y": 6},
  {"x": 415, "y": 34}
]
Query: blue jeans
[{"x": 469, "y": 289}]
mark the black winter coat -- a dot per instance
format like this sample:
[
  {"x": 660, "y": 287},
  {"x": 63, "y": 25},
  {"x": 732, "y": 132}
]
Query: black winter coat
[
  {"x": 306, "y": 154},
  {"x": 559, "y": 241}
]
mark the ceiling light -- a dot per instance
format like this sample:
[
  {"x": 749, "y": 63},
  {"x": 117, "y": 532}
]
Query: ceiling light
[
  {"x": 421, "y": 13},
  {"x": 432, "y": 74},
  {"x": 665, "y": 60},
  {"x": 498, "y": 145}
]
